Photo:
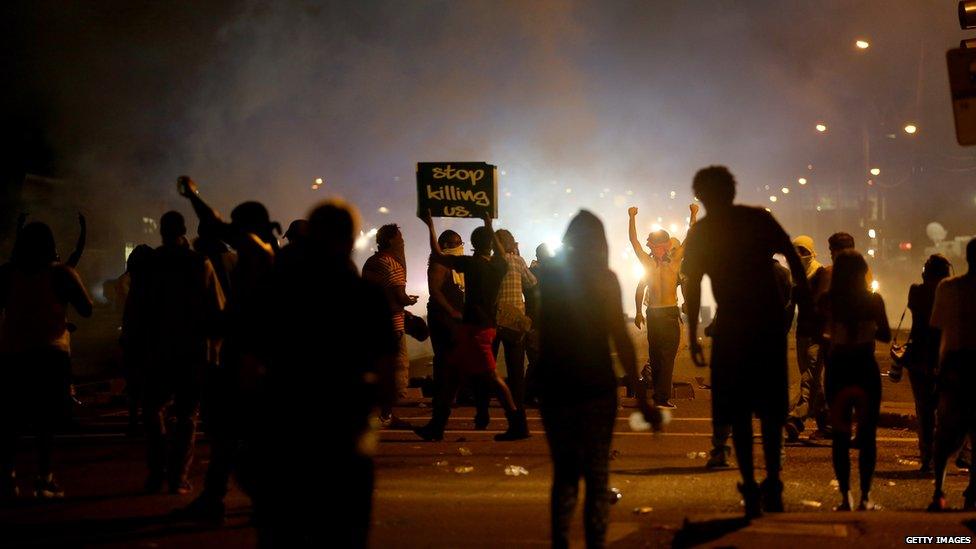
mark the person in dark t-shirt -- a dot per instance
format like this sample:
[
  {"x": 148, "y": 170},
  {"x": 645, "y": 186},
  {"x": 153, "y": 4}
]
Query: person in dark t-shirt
[{"x": 483, "y": 273}]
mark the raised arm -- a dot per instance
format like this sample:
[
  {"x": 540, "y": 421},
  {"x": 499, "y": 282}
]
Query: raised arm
[
  {"x": 75, "y": 256},
  {"x": 632, "y": 233},
  {"x": 496, "y": 244},
  {"x": 208, "y": 216}
]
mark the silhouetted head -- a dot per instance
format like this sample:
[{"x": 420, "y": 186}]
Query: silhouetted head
[
  {"x": 389, "y": 238},
  {"x": 507, "y": 240},
  {"x": 297, "y": 231},
  {"x": 715, "y": 187},
  {"x": 937, "y": 267},
  {"x": 971, "y": 255},
  {"x": 481, "y": 241},
  {"x": 172, "y": 227},
  {"x": 252, "y": 217},
  {"x": 849, "y": 272},
  {"x": 839, "y": 242},
  {"x": 138, "y": 261},
  {"x": 35, "y": 246},
  {"x": 543, "y": 253},
  {"x": 332, "y": 226},
  {"x": 449, "y": 240},
  {"x": 585, "y": 241}
]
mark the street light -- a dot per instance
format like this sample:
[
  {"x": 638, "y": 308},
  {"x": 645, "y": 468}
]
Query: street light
[
  {"x": 773, "y": 198},
  {"x": 875, "y": 171},
  {"x": 822, "y": 128},
  {"x": 862, "y": 44},
  {"x": 802, "y": 181},
  {"x": 872, "y": 233},
  {"x": 910, "y": 129},
  {"x": 785, "y": 190}
]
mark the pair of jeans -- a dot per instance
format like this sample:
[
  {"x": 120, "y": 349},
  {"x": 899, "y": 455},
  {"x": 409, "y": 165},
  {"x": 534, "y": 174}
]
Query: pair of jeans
[
  {"x": 663, "y": 337},
  {"x": 514, "y": 343},
  {"x": 811, "y": 402},
  {"x": 579, "y": 436}
]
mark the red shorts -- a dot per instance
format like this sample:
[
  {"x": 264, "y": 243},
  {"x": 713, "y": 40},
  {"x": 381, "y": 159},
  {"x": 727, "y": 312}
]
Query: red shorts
[{"x": 472, "y": 352}]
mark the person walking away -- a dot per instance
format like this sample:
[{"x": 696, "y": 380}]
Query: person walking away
[
  {"x": 236, "y": 387},
  {"x": 811, "y": 402},
  {"x": 182, "y": 307},
  {"x": 954, "y": 313},
  {"x": 658, "y": 292},
  {"x": 353, "y": 349},
  {"x": 856, "y": 317},
  {"x": 543, "y": 255},
  {"x": 513, "y": 323},
  {"x": 134, "y": 339},
  {"x": 733, "y": 245},
  {"x": 35, "y": 348},
  {"x": 924, "y": 355},
  {"x": 387, "y": 268},
  {"x": 580, "y": 315},
  {"x": 483, "y": 273}
]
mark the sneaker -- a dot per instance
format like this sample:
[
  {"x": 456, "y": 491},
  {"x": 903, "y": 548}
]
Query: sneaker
[
  {"x": 938, "y": 504},
  {"x": 47, "y": 488},
  {"x": 751, "y": 500},
  {"x": 429, "y": 433},
  {"x": 772, "y": 495},
  {"x": 868, "y": 505},
  {"x": 202, "y": 509},
  {"x": 719, "y": 458},
  {"x": 180, "y": 488},
  {"x": 792, "y": 432},
  {"x": 667, "y": 404},
  {"x": 846, "y": 503}
]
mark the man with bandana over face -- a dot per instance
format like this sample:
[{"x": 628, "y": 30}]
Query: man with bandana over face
[{"x": 658, "y": 291}]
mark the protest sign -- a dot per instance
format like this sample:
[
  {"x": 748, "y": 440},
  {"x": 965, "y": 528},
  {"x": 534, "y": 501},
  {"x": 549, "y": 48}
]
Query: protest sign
[{"x": 457, "y": 189}]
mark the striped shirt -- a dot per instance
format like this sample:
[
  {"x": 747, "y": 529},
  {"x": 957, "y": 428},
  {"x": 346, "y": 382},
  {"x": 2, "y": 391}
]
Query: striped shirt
[{"x": 385, "y": 271}]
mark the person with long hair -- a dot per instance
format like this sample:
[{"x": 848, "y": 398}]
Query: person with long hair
[
  {"x": 924, "y": 356},
  {"x": 580, "y": 313},
  {"x": 855, "y": 319},
  {"x": 35, "y": 348}
]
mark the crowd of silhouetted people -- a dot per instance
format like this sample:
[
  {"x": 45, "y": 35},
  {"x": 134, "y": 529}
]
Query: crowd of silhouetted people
[{"x": 249, "y": 335}]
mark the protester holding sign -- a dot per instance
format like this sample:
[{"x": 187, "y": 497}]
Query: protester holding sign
[{"x": 483, "y": 273}]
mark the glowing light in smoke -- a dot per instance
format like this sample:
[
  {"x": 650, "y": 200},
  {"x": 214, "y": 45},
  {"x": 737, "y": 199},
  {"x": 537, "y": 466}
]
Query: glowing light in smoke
[
  {"x": 638, "y": 270},
  {"x": 673, "y": 228},
  {"x": 875, "y": 171},
  {"x": 821, "y": 128},
  {"x": 875, "y": 286},
  {"x": 554, "y": 244},
  {"x": 773, "y": 198},
  {"x": 872, "y": 233},
  {"x": 383, "y": 210},
  {"x": 862, "y": 44},
  {"x": 910, "y": 129},
  {"x": 673, "y": 195},
  {"x": 365, "y": 239},
  {"x": 569, "y": 191},
  {"x": 785, "y": 190},
  {"x": 802, "y": 181},
  {"x": 656, "y": 227},
  {"x": 871, "y": 252}
]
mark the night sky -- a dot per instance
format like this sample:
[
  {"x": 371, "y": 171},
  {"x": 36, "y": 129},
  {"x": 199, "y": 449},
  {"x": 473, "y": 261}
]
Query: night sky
[{"x": 256, "y": 100}]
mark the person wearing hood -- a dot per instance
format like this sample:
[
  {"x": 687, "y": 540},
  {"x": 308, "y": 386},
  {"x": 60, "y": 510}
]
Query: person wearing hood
[{"x": 811, "y": 403}]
